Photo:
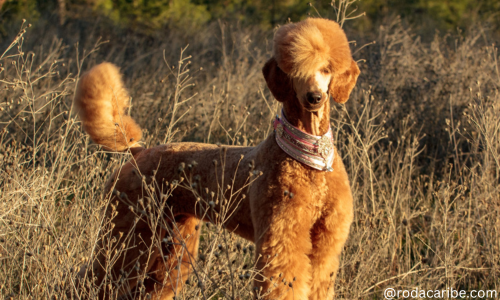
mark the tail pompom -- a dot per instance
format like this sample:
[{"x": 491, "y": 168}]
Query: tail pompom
[{"x": 103, "y": 101}]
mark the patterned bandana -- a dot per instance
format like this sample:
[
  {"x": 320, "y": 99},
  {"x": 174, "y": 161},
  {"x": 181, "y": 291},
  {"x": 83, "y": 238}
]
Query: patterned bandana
[{"x": 312, "y": 150}]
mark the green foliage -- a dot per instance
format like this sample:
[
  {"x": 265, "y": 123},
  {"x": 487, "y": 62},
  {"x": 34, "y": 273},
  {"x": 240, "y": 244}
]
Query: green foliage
[
  {"x": 155, "y": 13},
  {"x": 20, "y": 9},
  {"x": 191, "y": 15},
  {"x": 266, "y": 13},
  {"x": 441, "y": 14},
  {"x": 451, "y": 12}
]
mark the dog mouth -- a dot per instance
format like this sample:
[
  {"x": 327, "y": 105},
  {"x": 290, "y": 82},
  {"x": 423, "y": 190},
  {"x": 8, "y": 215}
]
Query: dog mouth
[{"x": 313, "y": 108}]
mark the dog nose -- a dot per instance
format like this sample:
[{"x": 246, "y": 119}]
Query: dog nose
[{"x": 313, "y": 97}]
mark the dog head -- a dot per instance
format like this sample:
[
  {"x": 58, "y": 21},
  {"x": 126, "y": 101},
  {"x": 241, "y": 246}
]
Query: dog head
[{"x": 311, "y": 62}]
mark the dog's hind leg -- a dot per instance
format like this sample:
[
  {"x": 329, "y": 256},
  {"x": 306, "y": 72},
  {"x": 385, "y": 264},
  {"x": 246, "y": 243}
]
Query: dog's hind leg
[
  {"x": 178, "y": 255},
  {"x": 119, "y": 260}
]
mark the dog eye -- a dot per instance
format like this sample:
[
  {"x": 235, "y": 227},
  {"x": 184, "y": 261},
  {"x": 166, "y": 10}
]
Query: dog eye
[{"x": 325, "y": 71}]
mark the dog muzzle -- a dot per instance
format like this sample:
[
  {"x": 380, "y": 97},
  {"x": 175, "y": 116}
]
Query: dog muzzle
[{"x": 312, "y": 150}]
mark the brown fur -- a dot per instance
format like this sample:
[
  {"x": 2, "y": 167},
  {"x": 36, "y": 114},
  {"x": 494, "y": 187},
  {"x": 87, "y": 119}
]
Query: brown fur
[
  {"x": 103, "y": 101},
  {"x": 300, "y": 238},
  {"x": 313, "y": 44}
]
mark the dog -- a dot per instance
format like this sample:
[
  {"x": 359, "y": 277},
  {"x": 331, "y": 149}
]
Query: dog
[{"x": 297, "y": 212}]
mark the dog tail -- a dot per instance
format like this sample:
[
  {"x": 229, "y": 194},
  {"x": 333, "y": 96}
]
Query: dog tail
[{"x": 103, "y": 101}]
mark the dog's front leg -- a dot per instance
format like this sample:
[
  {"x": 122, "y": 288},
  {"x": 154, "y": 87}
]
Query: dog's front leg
[
  {"x": 283, "y": 245},
  {"x": 328, "y": 236}
]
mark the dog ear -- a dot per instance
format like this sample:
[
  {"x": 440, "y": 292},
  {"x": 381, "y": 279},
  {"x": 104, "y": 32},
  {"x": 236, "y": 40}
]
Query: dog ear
[
  {"x": 341, "y": 85},
  {"x": 278, "y": 82}
]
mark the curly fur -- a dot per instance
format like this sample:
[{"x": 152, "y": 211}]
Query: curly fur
[
  {"x": 298, "y": 217},
  {"x": 103, "y": 102},
  {"x": 301, "y": 49}
]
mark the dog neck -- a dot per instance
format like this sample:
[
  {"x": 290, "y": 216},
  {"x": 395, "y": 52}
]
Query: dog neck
[
  {"x": 312, "y": 150},
  {"x": 315, "y": 123}
]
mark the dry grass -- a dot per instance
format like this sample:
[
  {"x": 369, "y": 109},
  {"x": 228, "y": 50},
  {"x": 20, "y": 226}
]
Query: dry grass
[{"x": 420, "y": 138}]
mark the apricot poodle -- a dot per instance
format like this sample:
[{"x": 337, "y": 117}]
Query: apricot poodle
[{"x": 297, "y": 212}]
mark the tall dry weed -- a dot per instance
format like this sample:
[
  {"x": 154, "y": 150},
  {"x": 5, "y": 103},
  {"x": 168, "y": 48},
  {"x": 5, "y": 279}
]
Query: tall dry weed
[{"x": 420, "y": 138}]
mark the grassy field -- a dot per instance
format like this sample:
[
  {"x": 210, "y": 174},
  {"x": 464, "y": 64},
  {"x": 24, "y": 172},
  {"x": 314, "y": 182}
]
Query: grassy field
[{"x": 420, "y": 138}]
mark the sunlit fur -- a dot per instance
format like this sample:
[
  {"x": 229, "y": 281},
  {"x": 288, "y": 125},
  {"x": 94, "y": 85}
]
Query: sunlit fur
[
  {"x": 102, "y": 103},
  {"x": 317, "y": 83},
  {"x": 298, "y": 217},
  {"x": 315, "y": 44},
  {"x": 302, "y": 48}
]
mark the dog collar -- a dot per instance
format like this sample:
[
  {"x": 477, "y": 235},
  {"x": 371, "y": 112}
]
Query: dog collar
[{"x": 312, "y": 150}]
